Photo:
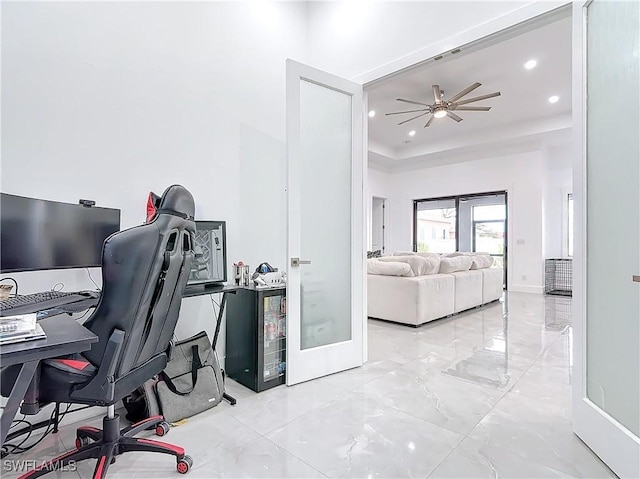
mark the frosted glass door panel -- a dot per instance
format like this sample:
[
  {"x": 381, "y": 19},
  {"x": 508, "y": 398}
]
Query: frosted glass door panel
[
  {"x": 325, "y": 206},
  {"x": 613, "y": 206}
]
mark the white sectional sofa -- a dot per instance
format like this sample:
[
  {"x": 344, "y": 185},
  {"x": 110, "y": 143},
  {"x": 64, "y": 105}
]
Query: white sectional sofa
[{"x": 415, "y": 288}]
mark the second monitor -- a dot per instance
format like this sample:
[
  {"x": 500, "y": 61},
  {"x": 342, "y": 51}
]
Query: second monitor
[{"x": 209, "y": 265}]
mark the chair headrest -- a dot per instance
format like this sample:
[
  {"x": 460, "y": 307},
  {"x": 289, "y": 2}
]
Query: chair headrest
[{"x": 176, "y": 200}]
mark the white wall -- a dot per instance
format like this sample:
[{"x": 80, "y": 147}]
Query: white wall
[
  {"x": 350, "y": 38},
  {"x": 557, "y": 186},
  {"x": 109, "y": 100},
  {"x": 521, "y": 175}
]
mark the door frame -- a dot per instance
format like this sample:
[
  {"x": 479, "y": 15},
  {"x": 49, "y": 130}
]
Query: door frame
[
  {"x": 610, "y": 440},
  {"x": 531, "y": 13}
]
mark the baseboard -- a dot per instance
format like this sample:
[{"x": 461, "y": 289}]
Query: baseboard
[{"x": 523, "y": 288}]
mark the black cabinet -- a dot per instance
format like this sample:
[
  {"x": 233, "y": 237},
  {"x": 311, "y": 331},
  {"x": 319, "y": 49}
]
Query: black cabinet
[{"x": 256, "y": 337}]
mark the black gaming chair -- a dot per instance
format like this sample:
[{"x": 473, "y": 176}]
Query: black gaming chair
[{"x": 144, "y": 272}]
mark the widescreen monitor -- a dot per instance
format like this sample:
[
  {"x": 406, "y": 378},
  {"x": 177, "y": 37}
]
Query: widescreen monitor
[
  {"x": 209, "y": 266},
  {"x": 39, "y": 234}
]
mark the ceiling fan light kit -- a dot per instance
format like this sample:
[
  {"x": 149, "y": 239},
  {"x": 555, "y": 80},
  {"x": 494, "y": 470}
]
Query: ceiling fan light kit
[{"x": 441, "y": 107}]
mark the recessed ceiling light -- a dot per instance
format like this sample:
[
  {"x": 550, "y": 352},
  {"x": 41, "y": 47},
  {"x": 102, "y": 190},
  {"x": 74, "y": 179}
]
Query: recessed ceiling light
[
  {"x": 554, "y": 99},
  {"x": 372, "y": 113},
  {"x": 530, "y": 64},
  {"x": 412, "y": 132}
]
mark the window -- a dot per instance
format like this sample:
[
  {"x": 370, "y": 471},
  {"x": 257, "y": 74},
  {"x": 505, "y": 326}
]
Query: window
[
  {"x": 435, "y": 223},
  {"x": 474, "y": 222}
]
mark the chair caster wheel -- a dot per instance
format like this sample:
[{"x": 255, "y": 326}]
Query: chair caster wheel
[
  {"x": 162, "y": 428},
  {"x": 82, "y": 441},
  {"x": 184, "y": 464}
]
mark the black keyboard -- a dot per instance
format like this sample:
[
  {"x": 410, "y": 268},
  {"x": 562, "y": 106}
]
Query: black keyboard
[{"x": 31, "y": 303}]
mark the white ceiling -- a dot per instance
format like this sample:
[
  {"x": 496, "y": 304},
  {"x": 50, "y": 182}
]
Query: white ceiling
[{"x": 521, "y": 114}]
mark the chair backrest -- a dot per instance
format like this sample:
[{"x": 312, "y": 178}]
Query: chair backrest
[{"x": 144, "y": 273}]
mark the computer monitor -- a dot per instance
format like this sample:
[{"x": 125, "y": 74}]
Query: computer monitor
[
  {"x": 209, "y": 266},
  {"x": 39, "y": 234}
]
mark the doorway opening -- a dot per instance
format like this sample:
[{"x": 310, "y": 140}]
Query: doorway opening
[{"x": 379, "y": 223}]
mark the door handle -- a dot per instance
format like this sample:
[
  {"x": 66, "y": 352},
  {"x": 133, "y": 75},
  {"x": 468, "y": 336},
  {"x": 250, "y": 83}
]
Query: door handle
[
  {"x": 298, "y": 261},
  {"x": 636, "y": 278}
]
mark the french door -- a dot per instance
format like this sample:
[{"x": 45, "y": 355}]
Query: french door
[
  {"x": 325, "y": 224},
  {"x": 606, "y": 296}
]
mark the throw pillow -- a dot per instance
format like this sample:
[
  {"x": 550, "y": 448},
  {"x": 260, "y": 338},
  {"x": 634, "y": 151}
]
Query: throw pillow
[
  {"x": 457, "y": 263},
  {"x": 433, "y": 262},
  {"x": 374, "y": 254},
  {"x": 388, "y": 268},
  {"x": 418, "y": 264},
  {"x": 481, "y": 261}
]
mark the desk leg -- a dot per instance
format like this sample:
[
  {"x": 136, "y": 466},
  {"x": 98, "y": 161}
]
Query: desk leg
[
  {"x": 219, "y": 319},
  {"x": 27, "y": 371},
  {"x": 223, "y": 303}
]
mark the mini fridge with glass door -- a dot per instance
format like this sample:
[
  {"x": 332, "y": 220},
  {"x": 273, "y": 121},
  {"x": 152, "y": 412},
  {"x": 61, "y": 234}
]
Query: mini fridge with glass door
[{"x": 256, "y": 337}]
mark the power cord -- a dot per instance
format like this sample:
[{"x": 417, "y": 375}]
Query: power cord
[
  {"x": 91, "y": 278},
  {"x": 8, "y": 449},
  {"x": 15, "y": 293}
]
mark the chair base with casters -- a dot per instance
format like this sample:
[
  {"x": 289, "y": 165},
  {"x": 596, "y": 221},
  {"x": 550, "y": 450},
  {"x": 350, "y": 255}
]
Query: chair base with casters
[{"x": 109, "y": 442}]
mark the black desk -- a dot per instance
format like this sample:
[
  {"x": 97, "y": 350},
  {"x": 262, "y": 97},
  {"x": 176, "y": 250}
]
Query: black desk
[
  {"x": 198, "y": 290},
  {"x": 64, "y": 336}
]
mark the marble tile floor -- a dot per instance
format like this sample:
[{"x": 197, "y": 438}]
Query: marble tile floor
[{"x": 486, "y": 393}]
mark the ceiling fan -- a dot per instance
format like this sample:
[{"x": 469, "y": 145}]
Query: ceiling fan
[{"x": 441, "y": 107}]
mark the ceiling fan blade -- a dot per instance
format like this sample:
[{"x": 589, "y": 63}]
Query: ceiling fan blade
[
  {"x": 429, "y": 122},
  {"x": 408, "y": 111},
  {"x": 437, "y": 94},
  {"x": 414, "y": 102},
  {"x": 478, "y": 98},
  {"x": 467, "y": 90},
  {"x": 472, "y": 108},
  {"x": 453, "y": 116},
  {"x": 418, "y": 116}
]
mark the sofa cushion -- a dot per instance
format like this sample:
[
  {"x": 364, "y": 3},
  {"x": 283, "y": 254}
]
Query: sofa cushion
[
  {"x": 404, "y": 253},
  {"x": 457, "y": 263},
  {"x": 418, "y": 264},
  {"x": 491, "y": 284},
  {"x": 481, "y": 261},
  {"x": 468, "y": 290},
  {"x": 388, "y": 268},
  {"x": 410, "y": 300},
  {"x": 433, "y": 262}
]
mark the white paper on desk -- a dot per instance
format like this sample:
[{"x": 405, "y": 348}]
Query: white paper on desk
[{"x": 23, "y": 323}]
